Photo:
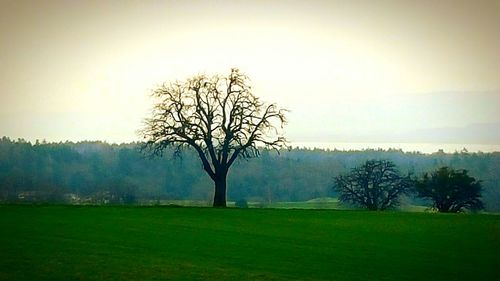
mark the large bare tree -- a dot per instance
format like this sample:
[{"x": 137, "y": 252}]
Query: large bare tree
[{"x": 219, "y": 117}]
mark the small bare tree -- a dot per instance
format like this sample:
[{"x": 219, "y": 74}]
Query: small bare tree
[
  {"x": 217, "y": 116},
  {"x": 375, "y": 185}
]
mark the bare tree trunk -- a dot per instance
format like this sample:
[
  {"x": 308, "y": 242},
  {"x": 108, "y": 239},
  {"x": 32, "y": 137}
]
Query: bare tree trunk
[{"x": 220, "y": 191}]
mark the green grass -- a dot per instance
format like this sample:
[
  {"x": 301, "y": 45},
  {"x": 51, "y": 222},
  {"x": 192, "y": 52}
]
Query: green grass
[
  {"x": 318, "y": 203},
  {"x": 154, "y": 243}
]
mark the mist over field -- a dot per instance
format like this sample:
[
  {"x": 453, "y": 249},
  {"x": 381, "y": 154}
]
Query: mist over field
[{"x": 101, "y": 173}]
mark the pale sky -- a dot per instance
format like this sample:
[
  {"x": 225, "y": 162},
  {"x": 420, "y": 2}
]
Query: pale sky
[{"x": 349, "y": 71}]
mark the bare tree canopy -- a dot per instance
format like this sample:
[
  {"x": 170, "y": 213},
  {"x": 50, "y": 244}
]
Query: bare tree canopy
[
  {"x": 219, "y": 117},
  {"x": 375, "y": 185}
]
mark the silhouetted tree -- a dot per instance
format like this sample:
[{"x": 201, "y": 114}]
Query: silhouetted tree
[
  {"x": 219, "y": 117},
  {"x": 82, "y": 170},
  {"x": 375, "y": 185},
  {"x": 451, "y": 190}
]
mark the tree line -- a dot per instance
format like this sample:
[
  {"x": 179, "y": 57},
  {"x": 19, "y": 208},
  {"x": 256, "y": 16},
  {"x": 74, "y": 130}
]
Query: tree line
[{"x": 98, "y": 172}]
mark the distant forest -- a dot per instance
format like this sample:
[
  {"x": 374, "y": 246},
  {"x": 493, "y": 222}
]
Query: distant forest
[{"x": 98, "y": 172}]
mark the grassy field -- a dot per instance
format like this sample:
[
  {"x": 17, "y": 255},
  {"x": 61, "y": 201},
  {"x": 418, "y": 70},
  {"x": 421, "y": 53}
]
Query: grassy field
[
  {"x": 317, "y": 203},
  {"x": 152, "y": 243}
]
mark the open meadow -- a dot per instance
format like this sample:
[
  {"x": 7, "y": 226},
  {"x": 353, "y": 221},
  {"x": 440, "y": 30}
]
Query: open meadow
[{"x": 155, "y": 243}]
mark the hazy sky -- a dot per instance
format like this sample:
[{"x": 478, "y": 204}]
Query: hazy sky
[{"x": 348, "y": 70}]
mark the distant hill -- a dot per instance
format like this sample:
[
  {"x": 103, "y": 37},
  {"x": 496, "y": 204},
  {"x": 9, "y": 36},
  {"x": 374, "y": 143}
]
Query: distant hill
[{"x": 484, "y": 133}]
